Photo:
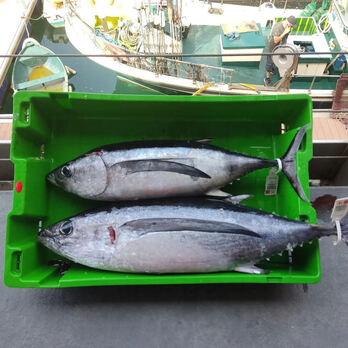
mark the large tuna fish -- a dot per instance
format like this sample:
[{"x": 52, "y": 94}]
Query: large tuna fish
[
  {"x": 155, "y": 169},
  {"x": 172, "y": 236}
]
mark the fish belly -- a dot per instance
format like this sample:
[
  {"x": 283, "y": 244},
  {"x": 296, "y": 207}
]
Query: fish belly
[{"x": 183, "y": 252}]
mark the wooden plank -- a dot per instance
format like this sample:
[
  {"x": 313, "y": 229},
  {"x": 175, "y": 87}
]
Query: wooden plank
[
  {"x": 324, "y": 128},
  {"x": 329, "y": 129},
  {"x": 5, "y": 131}
]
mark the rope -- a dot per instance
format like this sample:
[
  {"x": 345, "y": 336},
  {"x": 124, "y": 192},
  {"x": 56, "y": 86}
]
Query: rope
[
  {"x": 126, "y": 38},
  {"x": 33, "y": 19},
  {"x": 26, "y": 29}
]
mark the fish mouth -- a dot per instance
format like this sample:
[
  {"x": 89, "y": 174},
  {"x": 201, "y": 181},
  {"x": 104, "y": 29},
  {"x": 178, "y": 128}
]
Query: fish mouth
[
  {"x": 44, "y": 236},
  {"x": 51, "y": 178},
  {"x": 45, "y": 233},
  {"x": 48, "y": 239}
]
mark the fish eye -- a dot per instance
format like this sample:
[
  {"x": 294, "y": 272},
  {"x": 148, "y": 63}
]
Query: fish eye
[
  {"x": 66, "y": 228},
  {"x": 65, "y": 171},
  {"x": 62, "y": 173}
]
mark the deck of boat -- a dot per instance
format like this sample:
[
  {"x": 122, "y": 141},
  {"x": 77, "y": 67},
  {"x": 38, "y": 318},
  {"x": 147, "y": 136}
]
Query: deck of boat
[{"x": 205, "y": 39}]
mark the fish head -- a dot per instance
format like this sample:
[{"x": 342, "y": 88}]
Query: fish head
[
  {"x": 86, "y": 176},
  {"x": 81, "y": 238},
  {"x": 61, "y": 237}
]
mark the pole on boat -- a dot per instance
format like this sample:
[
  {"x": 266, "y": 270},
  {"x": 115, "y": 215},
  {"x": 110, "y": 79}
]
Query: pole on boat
[
  {"x": 170, "y": 18},
  {"x": 286, "y": 3}
]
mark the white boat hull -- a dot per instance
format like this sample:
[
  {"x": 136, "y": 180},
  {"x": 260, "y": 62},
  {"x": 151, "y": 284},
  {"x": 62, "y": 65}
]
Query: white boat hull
[{"x": 84, "y": 41}]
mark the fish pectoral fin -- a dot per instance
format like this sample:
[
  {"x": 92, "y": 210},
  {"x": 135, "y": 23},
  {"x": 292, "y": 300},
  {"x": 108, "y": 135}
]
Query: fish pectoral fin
[
  {"x": 228, "y": 197},
  {"x": 250, "y": 269},
  {"x": 218, "y": 193},
  {"x": 145, "y": 226},
  {"x": 237, "y": 199},
  {"x": 157, "y": 165}
]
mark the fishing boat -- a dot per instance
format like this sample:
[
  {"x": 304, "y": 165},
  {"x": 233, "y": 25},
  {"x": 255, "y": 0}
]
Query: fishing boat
[
  {"x": 38, "y": 73},
  {"x": 190, "y": 30}
]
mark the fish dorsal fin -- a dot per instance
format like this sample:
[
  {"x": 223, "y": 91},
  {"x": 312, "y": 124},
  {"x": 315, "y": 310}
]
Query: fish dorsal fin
[{"x": 146, "y": 226}]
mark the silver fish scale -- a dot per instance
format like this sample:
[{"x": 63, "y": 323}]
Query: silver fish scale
[
  {"x": 151, "y": 184},
  {"x": 153, "y": 172}
]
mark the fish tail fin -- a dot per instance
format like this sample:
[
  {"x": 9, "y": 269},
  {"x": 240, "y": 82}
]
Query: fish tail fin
[{"x": 289, "y": 163}]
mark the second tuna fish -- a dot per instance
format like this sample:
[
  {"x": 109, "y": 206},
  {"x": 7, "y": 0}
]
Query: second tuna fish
[
  {"x": 178, "y": 236},
  {"x": 154, "y": 169}
]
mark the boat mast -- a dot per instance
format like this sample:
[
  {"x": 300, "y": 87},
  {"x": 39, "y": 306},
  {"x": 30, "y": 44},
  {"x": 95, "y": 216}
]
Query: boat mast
[{"x": 170, "y": 18}]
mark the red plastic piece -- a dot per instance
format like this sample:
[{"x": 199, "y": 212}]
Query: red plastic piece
[{"x": 19, "y": 186}]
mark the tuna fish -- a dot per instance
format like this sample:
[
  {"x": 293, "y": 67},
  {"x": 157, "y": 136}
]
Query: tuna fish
[
  {"x": 157, "y": 169},
  {"x": 172, "y": 236}
]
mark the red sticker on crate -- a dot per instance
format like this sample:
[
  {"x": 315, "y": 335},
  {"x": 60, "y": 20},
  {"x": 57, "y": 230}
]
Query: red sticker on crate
[{"x": 18, "y": 186}]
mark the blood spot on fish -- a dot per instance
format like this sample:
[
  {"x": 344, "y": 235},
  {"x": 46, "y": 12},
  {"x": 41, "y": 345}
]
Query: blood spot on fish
[
  {"x": 99, "y": 153},
  {"x": 112, "y": 234}
]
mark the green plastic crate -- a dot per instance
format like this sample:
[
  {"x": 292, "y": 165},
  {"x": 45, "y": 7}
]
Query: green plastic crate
[{"x": 52, "y": 128}]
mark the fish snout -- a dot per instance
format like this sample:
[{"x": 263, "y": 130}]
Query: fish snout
[
  {"x": 51, "y": 178},
  {"x": 45, "y": 234}
]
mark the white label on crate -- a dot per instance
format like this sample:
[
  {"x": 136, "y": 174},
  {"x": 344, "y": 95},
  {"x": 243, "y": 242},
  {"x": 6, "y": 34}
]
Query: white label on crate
[
  {"x": 340, "y": 209},
  {"x": 271, "y": 186}
]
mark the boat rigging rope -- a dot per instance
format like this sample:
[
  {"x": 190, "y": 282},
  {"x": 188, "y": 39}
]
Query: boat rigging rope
[
  {"x": 126, "y": 38},
  {"x": 33, "y": 19}
]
